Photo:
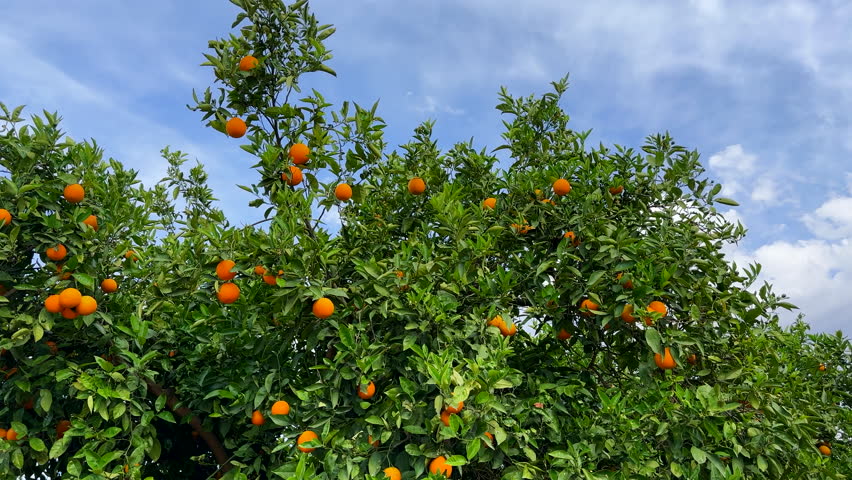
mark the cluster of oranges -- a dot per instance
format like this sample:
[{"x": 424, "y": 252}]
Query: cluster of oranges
[{"x": 299, "y": 152}]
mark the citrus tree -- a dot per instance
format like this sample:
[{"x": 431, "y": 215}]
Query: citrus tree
[{"x": 570, "y": 316}]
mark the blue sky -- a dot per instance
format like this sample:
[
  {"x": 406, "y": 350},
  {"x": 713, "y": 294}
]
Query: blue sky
[{"x": 763, "y": 92}]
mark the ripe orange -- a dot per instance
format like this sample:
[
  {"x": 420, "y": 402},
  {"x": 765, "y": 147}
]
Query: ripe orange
[
  {"x": 280, "y": 408},
  {"x": 11, "y": 435},
  {"x": 247, "y": 63},
  {"x": 399, "y": 274},
  {"x": 821, "y": 367},
  {"x": 374, "y": 443},
  {"x": 172, "y": 353},
  {"x": 445, "y": 417},
  {"x": 323, "y": 308},
  {"x": 235, "y": 127},
  {"x": 294, "y": 177},
  {"x": 92, "y": 221},
  {"x": 5, "y": 217},
  {"x": 109, "y": 285},
  {"x": 458, "y": 408},
  {"x": 439, "y": 465},
  {"x": 490, "y": 438},
  {"x": 260, "y": 270},
  {"x": 489, "y": 203},
  {"x": 616, "y": 190},
  {"x": 299, "y": 153},
  {"x": 257, "y": 418},
  {"x": 561, "y": 187},
  {"x": 627, "y": 314},
  {"x": 589, "y": 305},
  {"x": 306, "y": 437},
  {"x": 547, "y": 201},
  {"x": 74, "y": 193},
  {"x": 52, "y": 305},
  {"x": 628, "y": 284},
  {"x": 131, "y": 255},
  {"x": 416, "y": 186},
  {"x": 825, "y": 450},
  {"x": 692, "y": 359},
  {"x": 2, "y": 434},
  {"x": 57, "y": 253},
  {"x": 54, "y": 349},
  {"x": 521, "y": 229},
  {"x": 665, "y": 362},
  {"x": 368, "y": 393},
  {"x": 510, "y": 331},
  {"x": 563, "y": 334},
  {"x": 228, "y": 293},
  {"x": 87, "y": 306},
  {"x": 270, "y": 279},
  {"x": 573, "y": 238},
  {"x": 498, "y": 322},
  {"x": 223, "y": 270},
  {"x": 69, "y": 314},
  {"x": 655, "y": 306},
  {"x": 70, "y": 298},
  {"x": 392, "y": 473},
  {"x": 343, "y": 192},
  {"x": 62, "y": 427}
]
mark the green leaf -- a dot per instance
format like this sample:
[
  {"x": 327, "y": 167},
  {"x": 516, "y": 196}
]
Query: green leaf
[
  {"x": 37, "y": 444},
  {"x": 347, "y": 337},
  {"x": 473, "y": 448},
  {"x": 456, "y": 460},
  {"x": 86, "y": 280},
  {"x": 731, "y": 374},
  {"x": 727, "y": 201},
  {"x": 59, "y": 447},
  {"x": 654, "y": 340},
  {"x": 698, "y": 455}
]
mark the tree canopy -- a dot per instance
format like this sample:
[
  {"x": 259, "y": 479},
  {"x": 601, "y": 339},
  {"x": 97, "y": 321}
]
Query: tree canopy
[{"x": 569, "y": 316}]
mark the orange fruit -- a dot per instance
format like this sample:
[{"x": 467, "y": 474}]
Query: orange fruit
[
  {"x": 656, "y": 306},
  {"x": 294, "y": 177},
  {"x": 368, "y": 393},
  {"x": 416, "y": 186},
  {"x": 131, "y": 255},
  {"x": 399, "y": 274},
  {"x": 306, "y": 437},
  {"x": 54, "y": 349},
  {"x": 323, "y": 308},
  {"x": 666, "y": 362},
  {"x": 489, "y": 203},
  {"x": 280, "y": 408},
  {"x": 223, "y": 270},
  {"x": 825, "y": 450},
  {"x": 821, "y": 367},
  {"x": 70, "y": 298},
  {"x": 510, "y": 331},
  {"x": 392, "y": 473},
  {"x": 247, "y": 63},
  {"x": 5, "y": 217},
  {"x": 589, "y": 305},
  {"x": 561, "y": 187},
  {"x": 260, "y": 270},
  {"x": 92, "y": 221},
  {"x": 11, "y": 435},
  {"x": 270, "y": 279},
  {"x": 52, "y": 305},
  {"x": 445, "y": 417},
  {"x": 692, "y": 359},
  {"x": 235, "y": 127},
  {"x": 374, "y": 443},
  {"x": 257, "y": 418},
  {"x": 57, "y": 253},
  {"x": 109, "y": 285},
  {"x": 498, "y": 322},
  {"x": 2, "y": 434},
  {"x": 228, "y": 293},
  {"x": 628, "y": 284},
  {"x": 573, "y": 238},
  {"x": 627, "y": 314},
  {"x": 490, "y": 438},
  {"x": 548, "y": 201},
  {"x": 74, "y": 193},
  {"x": 299, "y": 153},
  {"x": 439, "y": 465},
  {"x": 62, "y": 427},
  {"x": 343, "y": 192},
  {"x": 87, "y": 306},
  {"x": 172, "y": 353},
  {"x": 616, "y": 190},
  {"x": 458, "y": 408},
  {"x": 69, "y": 314},
  {"x": 563, "y": 335}
]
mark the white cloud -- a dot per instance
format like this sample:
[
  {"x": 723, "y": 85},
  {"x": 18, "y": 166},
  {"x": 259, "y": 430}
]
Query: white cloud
[
  {"x": 765, "y": 190},
  {"x": 832, "y": 220},
  {"x": 733, "y": 165}
]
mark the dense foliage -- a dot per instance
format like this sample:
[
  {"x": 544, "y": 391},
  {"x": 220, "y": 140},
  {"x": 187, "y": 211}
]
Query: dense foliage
[{"x": 169, "y": 379}]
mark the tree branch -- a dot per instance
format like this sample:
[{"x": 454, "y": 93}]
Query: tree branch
[{"x": 213, "y": 442}]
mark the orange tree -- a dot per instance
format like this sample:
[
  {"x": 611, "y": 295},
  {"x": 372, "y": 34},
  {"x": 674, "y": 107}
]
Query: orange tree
[{"x": 570, "y": 317}]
